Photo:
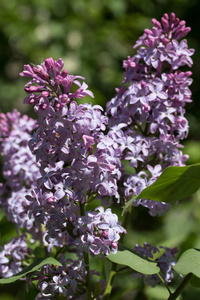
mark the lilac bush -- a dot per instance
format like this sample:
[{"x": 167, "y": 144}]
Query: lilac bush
[{"x": 75, "y": 154}]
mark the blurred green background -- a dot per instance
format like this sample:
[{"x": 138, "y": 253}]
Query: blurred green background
[{"x": 93, "y": 37}]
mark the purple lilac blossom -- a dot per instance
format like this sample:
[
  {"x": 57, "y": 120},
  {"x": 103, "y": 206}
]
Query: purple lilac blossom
[
  {"x": 67, "y": 280},
  {"x": 102, "y": 231},
  {"x": 165, "y": 262},
  {"x": 20, "y": 172},
  {"x": 147, "y": 116},
  {"x": 67, "y": 131},
  {"x": 77, "y": 159},
  {"x": 20, "y": 169},
  {"x": 12, "y": 256},
  {"x": 19, "y": 165}
]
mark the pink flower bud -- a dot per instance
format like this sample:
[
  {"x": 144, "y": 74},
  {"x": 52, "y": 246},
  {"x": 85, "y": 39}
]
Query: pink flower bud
[
  {"x": 105, "y": 234},
  {"x": 45, "y": 94},
  {"x": 49, "y": 63},
  {"x": 114, "y": 245},
  {"x": 156, "y": 23}
]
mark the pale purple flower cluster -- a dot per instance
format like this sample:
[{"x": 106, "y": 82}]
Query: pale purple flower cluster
[
  {"x": 146, "y": 117},
  {"x": 77, "y": 164},
  {"x": 19, "y": 165},
  {"x": 67, "y": 280},
  {"x": 67, "y": 132},
  {"x": 12, "y": 256},
  {"x": 71, "y": 169},
  {"x": 165, "y": 262},
  {"x": 61, "y": 280},
  {"x": 102, "y": 231},
  {"x": 20, "y": 169},
  {"x": 20, "y": 172}
]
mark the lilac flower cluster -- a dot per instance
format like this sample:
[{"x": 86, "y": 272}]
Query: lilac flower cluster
[
  {"x": 102, "y": 231},
  {"x": 67, "y": 280},
  {"x": 20, "y": 169},
  {"x": 146, "y": 117},
  {"x": 19, "y": 166},
  {"x": 67, "y": 131},
  {"x": 61, "y": 280},
  {"x": 12, "y": 255},
  {"x": 62, "y": 143},
  {"x": 165, "y": 262},
  {"x": 77, "y": 164}
]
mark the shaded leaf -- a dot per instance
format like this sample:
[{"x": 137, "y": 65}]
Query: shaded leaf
[
  {"x": 36, "y": 265},
  {"x": 128, "y": 258}
]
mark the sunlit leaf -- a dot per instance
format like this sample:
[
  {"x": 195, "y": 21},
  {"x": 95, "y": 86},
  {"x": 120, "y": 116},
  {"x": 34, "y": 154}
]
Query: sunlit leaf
[
  {"x": 126, "y": 257},
  {"x": 36, "y": 265}
]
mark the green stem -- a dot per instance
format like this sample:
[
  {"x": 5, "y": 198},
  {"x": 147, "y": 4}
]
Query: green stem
[
  {"x": 87, "y": 262},
  {"x": 108, "y": 289},
  {"x": 87, "y": 278},
  {"x": 82, "y": 209},
  {"x": 178, "y": 291},
  {"x": 125, "y": 223},
  {"x": 162, "y": 280}
]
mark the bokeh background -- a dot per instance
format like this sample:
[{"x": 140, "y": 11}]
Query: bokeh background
[{"x": 93, "y": 37}]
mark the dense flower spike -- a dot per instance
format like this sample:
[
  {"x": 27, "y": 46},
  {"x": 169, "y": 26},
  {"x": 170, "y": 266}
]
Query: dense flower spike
[
  {"x": 72, "y": 169},
  {"x": 146, "y": 117},
  {"x": 77, "y": 162}
]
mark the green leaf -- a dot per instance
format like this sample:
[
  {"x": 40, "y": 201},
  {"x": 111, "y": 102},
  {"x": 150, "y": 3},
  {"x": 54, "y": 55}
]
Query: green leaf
[
  {"x": 126, "y": 257},
  {"x": 174, "y": 184},
  {"x": 36, "y": 265},
  {"x": 189, "y": 262}
]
